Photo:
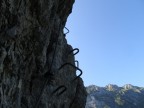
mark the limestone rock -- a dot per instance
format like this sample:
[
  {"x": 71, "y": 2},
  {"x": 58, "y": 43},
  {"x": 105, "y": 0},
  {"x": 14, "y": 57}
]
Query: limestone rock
[{"x": 33, "y": 50}]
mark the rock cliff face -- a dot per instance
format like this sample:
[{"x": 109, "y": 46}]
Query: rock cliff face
[
  {"x": 113, "y": 96},
  {"x": 37, "y": 66}
]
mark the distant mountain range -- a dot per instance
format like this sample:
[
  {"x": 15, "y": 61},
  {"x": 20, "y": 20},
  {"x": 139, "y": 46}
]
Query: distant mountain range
[{"x": 112, "y": 96}]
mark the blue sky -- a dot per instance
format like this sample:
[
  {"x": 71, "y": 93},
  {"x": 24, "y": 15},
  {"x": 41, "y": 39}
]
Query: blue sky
[{"x": 110, "y": 36}]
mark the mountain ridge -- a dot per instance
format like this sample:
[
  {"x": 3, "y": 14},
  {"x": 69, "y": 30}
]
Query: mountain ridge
[{"x": 113, "y": 96}]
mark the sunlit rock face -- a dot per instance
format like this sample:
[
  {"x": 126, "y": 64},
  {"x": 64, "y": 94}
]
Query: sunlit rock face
[
  {"x": 33, "y": 49},
  {"x": 112, "y": 96}
]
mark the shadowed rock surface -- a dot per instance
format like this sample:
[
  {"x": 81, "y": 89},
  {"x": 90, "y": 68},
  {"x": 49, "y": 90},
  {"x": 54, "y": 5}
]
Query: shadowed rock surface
[
  {"x": 32, "y": 50},
  {"x": 112, "y": 96}
]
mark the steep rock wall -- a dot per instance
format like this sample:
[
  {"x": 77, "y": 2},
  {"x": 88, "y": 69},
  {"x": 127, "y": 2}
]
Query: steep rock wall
[{"x": 37, "y": 66}]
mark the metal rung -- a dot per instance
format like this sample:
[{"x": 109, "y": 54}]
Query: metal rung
[
  {"x": 72, "y": 51},
  {"x": 73, "y": 67},
  {"x": 77, "y": 63},
  {"x": 67, "y": 31},
  {"x": 64, "y": 88}
]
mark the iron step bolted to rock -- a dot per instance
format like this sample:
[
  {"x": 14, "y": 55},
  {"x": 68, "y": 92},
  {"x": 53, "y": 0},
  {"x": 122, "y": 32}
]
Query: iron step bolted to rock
[
  {"x": 51, "y": 75},
  {"x": 73, "y": 67},
  {"x": 66, "y": 32}
]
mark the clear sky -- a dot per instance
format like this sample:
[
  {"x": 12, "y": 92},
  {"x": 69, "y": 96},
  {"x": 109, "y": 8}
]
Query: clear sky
[{"x": 110, "y": 36}]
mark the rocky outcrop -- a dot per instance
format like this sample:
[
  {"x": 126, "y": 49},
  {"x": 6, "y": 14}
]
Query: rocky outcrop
[
  {"x": 37, "y": 66},
  {"x": 112, "y": 96}
]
